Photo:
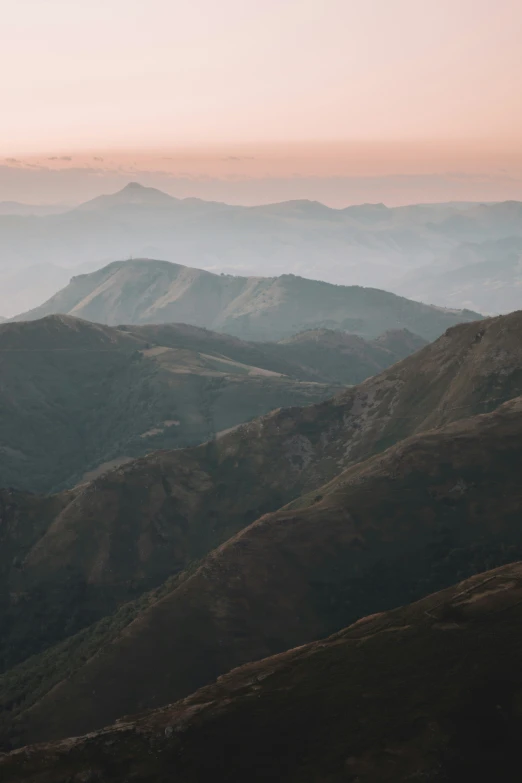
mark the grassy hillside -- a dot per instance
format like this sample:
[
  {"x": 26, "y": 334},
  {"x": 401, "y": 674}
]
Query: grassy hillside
[
  {"x": 76, "y": 396},
  {"x": 254, "y": 308},
  {"x": 391, "y": 698}
]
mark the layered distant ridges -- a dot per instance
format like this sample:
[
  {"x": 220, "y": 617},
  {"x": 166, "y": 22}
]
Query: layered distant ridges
[{"x": 147, "y": 291}]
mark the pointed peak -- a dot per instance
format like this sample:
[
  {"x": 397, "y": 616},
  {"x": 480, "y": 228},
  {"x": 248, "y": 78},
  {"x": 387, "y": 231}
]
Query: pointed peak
[
  {"x": 134, "y": 186},
  {"x": 132, "y": 193}
]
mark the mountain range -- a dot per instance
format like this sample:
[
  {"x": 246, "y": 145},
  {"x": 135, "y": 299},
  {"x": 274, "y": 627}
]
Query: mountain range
[
  {"x": 365, "y": 245},
  {"x": 146, "y": 291},
  {"x": 137, "y": 588}
]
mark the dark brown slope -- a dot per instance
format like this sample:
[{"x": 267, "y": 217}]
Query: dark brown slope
[
  {"x": 431, "y": 691},
  {"x": 438, "y": 507},
  {"x": 132, "y": 528}
]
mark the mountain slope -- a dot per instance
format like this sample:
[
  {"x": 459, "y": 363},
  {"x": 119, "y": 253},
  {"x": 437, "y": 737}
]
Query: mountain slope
[
  {"x": 340, "y": 355},
  {"x": 146, "y": 291},
  {"x": 400, "y": 342},
  {"x": 391, "y": 698},
  {"x": 76, "y": 395},
  {"x": 157, "y": 514},
  {"x": 320, "y": 355},
  {"x": 131, "y": 194},
  {"x": 439, "y": 506}
]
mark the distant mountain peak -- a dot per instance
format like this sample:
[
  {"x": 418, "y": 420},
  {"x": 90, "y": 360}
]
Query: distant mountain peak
[{"x": 132, "y": 193}]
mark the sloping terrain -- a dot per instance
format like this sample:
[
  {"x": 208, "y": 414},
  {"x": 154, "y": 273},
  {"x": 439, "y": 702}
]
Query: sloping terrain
[
  {"x": 322, "y": 355},
  {"x": 400, "y": 342},
  {"x": 76, "y": 396},
  {"x": 431, "y": 691},
  {"x": 340, "y": 355},
  {"x": 437, "y": 507},
  {"x": 135, "y": 526},
  {"x": 144, "y": 291}
]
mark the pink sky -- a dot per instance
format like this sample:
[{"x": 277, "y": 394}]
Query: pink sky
[{"x": 264, "y": 89}]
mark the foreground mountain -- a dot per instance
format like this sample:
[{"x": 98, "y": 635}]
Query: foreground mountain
[
  {"x": 187, "y": 502},
  {"x": 438, "y": 507},
  {"x": 76, "y": 396},
  {"x": 431, "y": 510},
  {"x": 365, "y": 245},
  {"x": 429, "y": 691},
  {"x": 145, "y": 291}
]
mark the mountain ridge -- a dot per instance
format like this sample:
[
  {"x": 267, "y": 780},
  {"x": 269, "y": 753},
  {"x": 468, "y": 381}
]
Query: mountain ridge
[
  {"x": 378, "y": 717},
  {"x": 148, "y": 291},
  {"x": 69, "y": 383}
]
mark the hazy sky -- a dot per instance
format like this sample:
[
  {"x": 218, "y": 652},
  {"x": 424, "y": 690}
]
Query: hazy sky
[{"x": 263, "y": 89}]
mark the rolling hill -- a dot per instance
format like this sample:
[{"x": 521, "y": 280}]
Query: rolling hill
[
  {"x": 145, "y": 291},
  {"x": 78, "y": 396},
  {"x": 323, "y": 355}
]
